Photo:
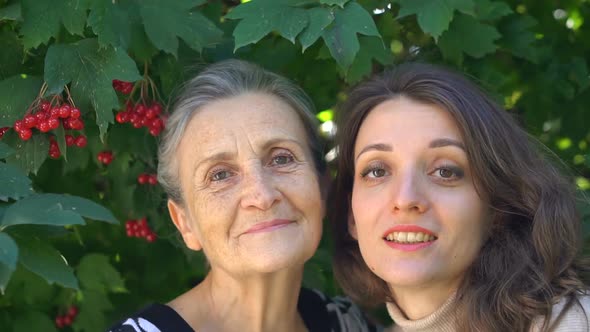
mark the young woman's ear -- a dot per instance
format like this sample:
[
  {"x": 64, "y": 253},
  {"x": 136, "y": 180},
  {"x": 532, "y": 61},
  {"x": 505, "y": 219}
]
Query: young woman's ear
[
  {"x": 183, "y": 224},
  {"x": 352, "y": 226}
]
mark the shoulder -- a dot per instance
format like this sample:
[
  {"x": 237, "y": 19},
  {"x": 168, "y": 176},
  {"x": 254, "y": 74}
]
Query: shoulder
[
  {"x": 153, "y": 318},
  {"x": 331, "y": 314},
  {"x": 569, "y": 315}
]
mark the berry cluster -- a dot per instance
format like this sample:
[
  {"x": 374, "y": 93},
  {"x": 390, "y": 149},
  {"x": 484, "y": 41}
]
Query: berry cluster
[
  {"x": 48, "y": 118},
  {"x": 54, "y": 151},
  {"x": 67, "y": 319},
  {"x": 143, "y": 115},
  {"x": 144, "y": 178},
  {"x": 123, "y": 87},
  {"x": 3, "y": 131},
  {"x": 140, "y": 228},
  {"x": 105, "y": 157}
]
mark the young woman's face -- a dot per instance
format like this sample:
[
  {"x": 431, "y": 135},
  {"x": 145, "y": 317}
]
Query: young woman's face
[
  {"x": 418, "y": 219},
  {"x": 251, "y": 190}
]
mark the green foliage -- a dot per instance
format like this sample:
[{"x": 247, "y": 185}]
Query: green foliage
[{"x": 54, "y": 253}]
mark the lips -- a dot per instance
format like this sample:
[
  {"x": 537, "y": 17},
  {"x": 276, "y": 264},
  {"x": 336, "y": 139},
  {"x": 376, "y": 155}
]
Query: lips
[{"x": 267, "y": 226}]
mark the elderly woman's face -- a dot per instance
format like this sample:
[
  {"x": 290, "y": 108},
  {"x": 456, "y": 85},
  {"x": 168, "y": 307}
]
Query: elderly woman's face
[
  {"x": 252, "y": 196},
  {"x": 417, "y": 217}
]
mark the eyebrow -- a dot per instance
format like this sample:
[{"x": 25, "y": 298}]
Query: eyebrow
[
  {"x": 437, "y": 143},
  {"x": 375, "y": 147},
  {"x": 442, "y": 142}
]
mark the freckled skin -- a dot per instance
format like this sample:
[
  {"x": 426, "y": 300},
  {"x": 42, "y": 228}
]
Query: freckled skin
[
  {"x": 407, "y": 187},
  {"x": 263, "y": 171}
]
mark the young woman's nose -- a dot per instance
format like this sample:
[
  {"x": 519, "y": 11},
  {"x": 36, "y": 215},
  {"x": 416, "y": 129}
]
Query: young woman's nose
[
  {"x": 258, "y": 189},
  {"x": 406, "y": 194}
]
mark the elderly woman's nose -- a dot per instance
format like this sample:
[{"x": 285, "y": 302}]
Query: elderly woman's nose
[{"x": 258, "y": 189}]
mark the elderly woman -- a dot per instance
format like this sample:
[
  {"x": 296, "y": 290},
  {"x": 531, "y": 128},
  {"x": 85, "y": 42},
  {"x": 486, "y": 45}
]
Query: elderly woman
[
  {"x": 241, "y": 163},
  {"x": 445, "y": 209}
]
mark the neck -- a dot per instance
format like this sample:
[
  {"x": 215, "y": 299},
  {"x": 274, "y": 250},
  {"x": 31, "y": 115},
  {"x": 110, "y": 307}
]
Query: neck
[
  {"x": 257, "y": 303},
  {"x": 419, "y": 302}
]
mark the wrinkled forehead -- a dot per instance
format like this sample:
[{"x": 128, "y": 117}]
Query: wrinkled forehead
[{"x": 249, "y": 119}]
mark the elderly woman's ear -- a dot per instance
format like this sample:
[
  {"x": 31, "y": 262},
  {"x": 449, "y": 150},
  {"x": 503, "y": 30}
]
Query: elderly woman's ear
[{"x": 183, "y": 224}]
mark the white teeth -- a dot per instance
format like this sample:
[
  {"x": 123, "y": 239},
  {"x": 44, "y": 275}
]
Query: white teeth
[{"x": 409, "y": 237}]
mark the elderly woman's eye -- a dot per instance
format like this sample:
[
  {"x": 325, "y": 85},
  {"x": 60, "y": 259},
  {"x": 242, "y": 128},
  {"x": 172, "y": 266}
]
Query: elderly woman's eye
[
  {"x": 219, "y": 175},
  {"x": 282, "y": 159}
]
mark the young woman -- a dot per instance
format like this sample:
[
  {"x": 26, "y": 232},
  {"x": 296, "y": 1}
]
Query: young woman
[
  {"x": 241, "y": 163},
  {"x": 445, "y": 209}
]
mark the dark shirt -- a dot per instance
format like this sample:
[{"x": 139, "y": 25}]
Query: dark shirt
[{"x": 319, "y": 313}]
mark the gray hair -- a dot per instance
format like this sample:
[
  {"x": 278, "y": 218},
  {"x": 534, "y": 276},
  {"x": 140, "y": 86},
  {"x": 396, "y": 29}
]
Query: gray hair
[{"x": 221, "y": 80}]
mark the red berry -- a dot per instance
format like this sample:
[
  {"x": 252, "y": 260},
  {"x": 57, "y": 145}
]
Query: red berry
[
  {"x": 59, "y": 322},
  {"x": 142, "y": 178},
  {"x": 19, "y": 125},
  {"x": 25, "y": 134},
  {"x": 55, "y": 154},
  {"x": 53, "y": 123},
  {"x": 139, "y": 109},
  {"x": 151, "y": 237},
  {"x": 157, "y": 123},
  {"x": 45, "y": 105},
  {"x": 54, "y": 112},
  {"x": 152, "y": 179},
  {"x": 70, "y": 140},
  {"x": 30, "y": 121},
  {"x": 143, "y": 232},
  {"x": 75, "y": 113},
  {"x": 41, "y": 116},
  {"x": 3, "y": 131},
  {"x": 130, "y": 233},
  {"x": 122, "y": 117},
  {"x": 150, "y": 113},
  {"x": 81, "y": 141},
  {"x": 64, "y": 111},
  {"x": 44, "y": 126},
  {"x": 67, "y": 320},
  {"x": 73, "y": 311},
  {"x": 75, "y": 124},
  {"x": 155, "y": 131}
]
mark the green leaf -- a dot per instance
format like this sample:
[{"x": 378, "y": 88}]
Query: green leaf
[
  {"x": 491, "y": 10},
  {"x": 11, "y": 55},
  {"x": 30, "y": 154},
  {"x": 176, "y": 20},
  {"x": 8, "y": 259},
  {"x": 110, "y": 22},
  {"x": 5, "y": 274},
  {"x": 44, "y": 260},
  {"x": 10, "y": 12},
  {"x": 5, "y": 150},
  {"x": 91, "y": 71},
  {"x": 56, "y": 210},
  {"x": 15, "y": 184},
  {"x": 319, "y": 19},
  {"x": 434, "y": 16},
  {"x": 42, "y": 19},
  {"x": 96, "y": 273},
  {"x": 92, "y": 312},
  {"x": 32, "y": 320},
  {"x": 467, "y": 35},
  {"x": 340, "y": 3},
  {"x": 371, "y": 48},
  {"x": 341, "y": 37},
  {"x": 261, "y": 17},
  {"x": 16, "y": 94},
  {"x": 519, "y": 38}
]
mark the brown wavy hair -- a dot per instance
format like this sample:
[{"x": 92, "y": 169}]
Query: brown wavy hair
[{"x": 530, "y": 259}]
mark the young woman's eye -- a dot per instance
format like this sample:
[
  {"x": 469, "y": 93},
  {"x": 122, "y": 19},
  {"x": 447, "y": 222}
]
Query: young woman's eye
[
  {"x": 448, "y": 173},
  {"x": 219, "y": 175},
  {"x": 374, "y": 172},
  {"x": 282, "y": 159}
]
